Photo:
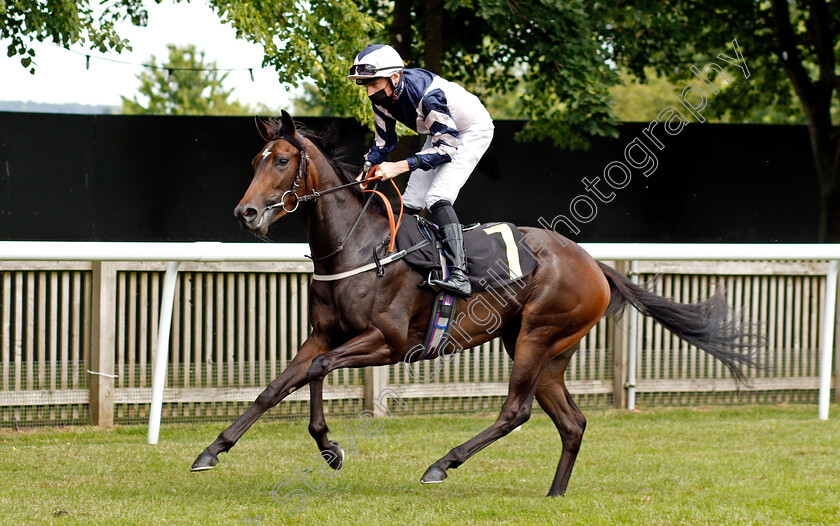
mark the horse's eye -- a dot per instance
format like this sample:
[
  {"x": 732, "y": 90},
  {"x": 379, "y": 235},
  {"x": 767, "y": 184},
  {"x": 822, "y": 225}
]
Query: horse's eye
[{"x": 283, "y": 161}]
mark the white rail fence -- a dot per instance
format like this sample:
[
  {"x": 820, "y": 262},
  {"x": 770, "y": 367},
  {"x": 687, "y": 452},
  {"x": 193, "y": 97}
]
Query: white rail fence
[{"x": 87, "y": 318}]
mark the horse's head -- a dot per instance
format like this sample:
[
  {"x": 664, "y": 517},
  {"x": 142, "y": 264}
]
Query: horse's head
[{"x": 277, "y": 169}]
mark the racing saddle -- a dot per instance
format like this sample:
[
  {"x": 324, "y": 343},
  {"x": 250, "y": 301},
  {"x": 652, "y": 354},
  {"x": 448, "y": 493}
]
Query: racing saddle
[{"x": 497, "y": 254}]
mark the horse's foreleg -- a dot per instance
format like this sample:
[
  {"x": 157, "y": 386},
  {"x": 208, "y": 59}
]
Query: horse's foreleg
[
  {"x": 291, "y": 379},
  {"x": 367, "y": 349}
]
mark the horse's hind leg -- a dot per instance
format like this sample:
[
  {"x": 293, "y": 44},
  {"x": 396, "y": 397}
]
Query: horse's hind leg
[
  {"x": 555, "y": 400},
  {"x": 531, "y": 355}
]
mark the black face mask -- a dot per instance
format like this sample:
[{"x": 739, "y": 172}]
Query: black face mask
[{"x": 380, "y": 98}]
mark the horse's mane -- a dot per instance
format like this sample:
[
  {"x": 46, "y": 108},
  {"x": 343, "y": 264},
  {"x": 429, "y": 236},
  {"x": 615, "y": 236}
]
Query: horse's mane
[{"x": 327, "y": 143}]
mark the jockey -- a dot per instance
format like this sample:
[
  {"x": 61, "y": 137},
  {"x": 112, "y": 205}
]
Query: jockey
[{"x": 459, "y": 131}]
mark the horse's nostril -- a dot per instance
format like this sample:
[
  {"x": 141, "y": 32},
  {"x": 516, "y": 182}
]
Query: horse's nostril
[{"x": 245, "y": 213}]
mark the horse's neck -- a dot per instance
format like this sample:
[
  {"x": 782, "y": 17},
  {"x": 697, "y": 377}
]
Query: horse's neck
[{"x": 329, "y": 219}]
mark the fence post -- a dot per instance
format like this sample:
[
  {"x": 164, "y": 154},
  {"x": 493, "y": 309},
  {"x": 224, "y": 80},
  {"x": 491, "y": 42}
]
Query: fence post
[
  {"x": 103, "y": 343},
  {"x": 827, "y": 344},
  {"x": 376, "y": 380},
  {"x": 618, "y": 342},
  {"x": 161, "y": 359},
  {"x": 633, "y": 343},
  {"x": 837, "y": 359}
]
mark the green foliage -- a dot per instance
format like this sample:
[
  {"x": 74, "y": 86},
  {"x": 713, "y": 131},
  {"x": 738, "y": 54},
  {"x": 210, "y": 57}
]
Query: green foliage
[
  {"x": 498, "y": 49},
  {"x": 563, "y": 62},
  {"x": 555, "y": 63},
  {"x": 184, "y": 85},
  {"x": 314, "y": 40},
  {"x": 65, "y": 22},
  {"x": 542, "y": 61},
  {"x": 791, "y": 49},
  {"x": 641, "y": 101},
  {"x": 693, "y": 32}
]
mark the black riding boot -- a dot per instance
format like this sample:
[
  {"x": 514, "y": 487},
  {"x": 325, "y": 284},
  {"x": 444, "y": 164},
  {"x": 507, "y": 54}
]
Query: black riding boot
[{"x": 456, "y": 259}]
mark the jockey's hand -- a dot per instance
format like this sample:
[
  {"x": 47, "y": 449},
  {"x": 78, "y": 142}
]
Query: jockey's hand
[{"x": 390, "y": 170}]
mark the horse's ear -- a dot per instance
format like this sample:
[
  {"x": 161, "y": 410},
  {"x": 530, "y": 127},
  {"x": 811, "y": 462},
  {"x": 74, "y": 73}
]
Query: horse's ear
[
  {"x": 266, "y": 129},
  {"x": 288, "y": 123}
]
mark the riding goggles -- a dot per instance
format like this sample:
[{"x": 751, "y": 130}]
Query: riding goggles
[{"x": 368, "y": 70}]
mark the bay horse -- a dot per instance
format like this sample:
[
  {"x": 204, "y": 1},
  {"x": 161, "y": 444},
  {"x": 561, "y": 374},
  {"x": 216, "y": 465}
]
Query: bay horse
[{"x": 370, "y": 320}]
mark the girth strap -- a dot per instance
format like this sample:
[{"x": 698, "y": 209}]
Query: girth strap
[{"x": 370, "y": 266}]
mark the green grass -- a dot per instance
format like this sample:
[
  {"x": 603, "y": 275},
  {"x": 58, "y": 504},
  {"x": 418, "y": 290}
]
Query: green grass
[{"x": 743, "y": 465}]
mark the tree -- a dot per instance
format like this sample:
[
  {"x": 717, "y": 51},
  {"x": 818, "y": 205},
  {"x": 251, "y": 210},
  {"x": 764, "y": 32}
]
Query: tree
[
  {"x": 545, "y": 53},
  {"x": 566, "y": 53},
  {"x": 639, "y": 101},
  {"x": 184, "y": 85},
  {"x": 558, "y": 57},
  {"x": 791, "y": 47},
  {"x": 491, "y": 45},
  {"x": 309, "y": 41},
  {"x": 65, "y": 22}
]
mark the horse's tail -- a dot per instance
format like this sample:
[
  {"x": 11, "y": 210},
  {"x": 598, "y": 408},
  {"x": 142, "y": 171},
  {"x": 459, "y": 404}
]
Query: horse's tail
[{"x": 709, "y": 324}]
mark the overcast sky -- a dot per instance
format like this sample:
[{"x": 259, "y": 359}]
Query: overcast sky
[{"x": 61, "y": 77}]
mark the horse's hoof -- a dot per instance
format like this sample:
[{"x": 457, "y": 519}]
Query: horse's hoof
[
  {"x": 337, "y": 451},
  {"x": 204, "y": 462},
  {"x": 433, "y": 475}
]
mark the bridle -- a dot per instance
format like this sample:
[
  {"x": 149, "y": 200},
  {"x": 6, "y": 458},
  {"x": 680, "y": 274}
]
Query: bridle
[
  {"x": 302, "y": 174},
  {"x": 303, "y": 168}
]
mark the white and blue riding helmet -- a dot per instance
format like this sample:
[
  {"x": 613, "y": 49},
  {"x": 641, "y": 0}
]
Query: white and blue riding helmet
[{"x": 374, "y": 62}]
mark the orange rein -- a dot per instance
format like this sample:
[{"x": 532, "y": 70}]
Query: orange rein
[{"x": 391, "y": 225}]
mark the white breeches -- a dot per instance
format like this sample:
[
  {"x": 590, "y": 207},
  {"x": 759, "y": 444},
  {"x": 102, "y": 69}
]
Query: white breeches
[{"x": 427, "y": 187}]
